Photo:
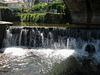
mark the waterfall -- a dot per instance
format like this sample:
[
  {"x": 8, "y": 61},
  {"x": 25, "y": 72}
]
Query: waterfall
[
  {"x": 51, "y": 51},
  {"x": 50, "y": 37}
]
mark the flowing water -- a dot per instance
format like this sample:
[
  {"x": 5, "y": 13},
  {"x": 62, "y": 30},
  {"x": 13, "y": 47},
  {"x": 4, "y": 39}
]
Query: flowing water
[{"x": 50, "y": 51}]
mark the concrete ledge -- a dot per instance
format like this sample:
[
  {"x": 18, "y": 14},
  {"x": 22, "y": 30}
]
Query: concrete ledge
[
  {"x": 5, "y": 23},
  {"x": 3, "y": 27}
]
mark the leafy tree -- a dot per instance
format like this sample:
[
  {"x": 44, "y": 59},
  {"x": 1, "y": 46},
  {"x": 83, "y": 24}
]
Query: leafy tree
[
  {"x": 38, "y": 7},
  {"x": 60, "y": 6},
  {"x": 36, "y": 2},
  {"x": 55, "y": 4},
  {"x": 7, "y": 14}
]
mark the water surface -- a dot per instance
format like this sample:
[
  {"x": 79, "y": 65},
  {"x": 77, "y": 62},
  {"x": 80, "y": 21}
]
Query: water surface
[{"x": 50, "y": 51}]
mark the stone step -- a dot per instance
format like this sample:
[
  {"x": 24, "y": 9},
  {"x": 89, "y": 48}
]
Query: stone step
[{"x": 5, "y": 23}]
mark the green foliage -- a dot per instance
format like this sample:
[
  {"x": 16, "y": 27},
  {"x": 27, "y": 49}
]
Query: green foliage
[
  {"x": 60, "y": 6},
  {"x": 43, "y": 18},
  {"x": 20, "y": 9},
  {"x": 38, "y": 7},
  {"x": 39, "y": 18},
  {"x": 64, "y": 8},
  {"x": 44, "y": 6},
  {"x": 6, "y": 14},
  {"x": 55, "y": 4},
  {"x": 36, "y": 2},
  {"x": 9, "y": 15}
]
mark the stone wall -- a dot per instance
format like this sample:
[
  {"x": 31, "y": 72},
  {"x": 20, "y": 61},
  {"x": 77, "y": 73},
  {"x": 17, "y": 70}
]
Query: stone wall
[
  {"x": 84, "y": 11},
  {"x": 2, "y": 33},
  {"x": 3, "y": 27}
]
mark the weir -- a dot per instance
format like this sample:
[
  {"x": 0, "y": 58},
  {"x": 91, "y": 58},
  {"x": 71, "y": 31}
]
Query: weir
[
  {"x": 49, "y": 37},
  {"x": 50, "y": 51}
]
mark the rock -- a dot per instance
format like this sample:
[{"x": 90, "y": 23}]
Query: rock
[{"x": 90, "y": 48}]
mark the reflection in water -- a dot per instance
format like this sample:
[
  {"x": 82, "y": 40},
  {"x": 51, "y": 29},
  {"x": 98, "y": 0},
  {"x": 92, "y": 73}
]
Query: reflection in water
[
  {"x": 38, "y": 24},
  {"x": 23, "y": 61}
]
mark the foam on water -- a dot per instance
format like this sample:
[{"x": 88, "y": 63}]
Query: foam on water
[
  {"x": 36, "y": 51},
  {"x": 37, "y": 61},
  {"x": 17, "y": 51}
]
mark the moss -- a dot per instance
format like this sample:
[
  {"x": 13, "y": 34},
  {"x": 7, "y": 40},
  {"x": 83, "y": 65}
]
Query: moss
[{"x": 44, "y": 18}]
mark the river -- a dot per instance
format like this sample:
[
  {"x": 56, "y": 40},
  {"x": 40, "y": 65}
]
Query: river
[{"x": 50, "y": 51}]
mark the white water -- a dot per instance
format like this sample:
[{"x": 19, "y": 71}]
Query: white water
[
  {"x": 23, "y": 61},
  {"x": 37, "y": 51},
  {"x": 36, "y": 61},
  {"x": 15, "y": 51}
]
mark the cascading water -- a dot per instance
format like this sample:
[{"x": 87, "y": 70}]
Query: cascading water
[
  {"x": 50, "y": 51},
  {"x": 50, "y": 37}
]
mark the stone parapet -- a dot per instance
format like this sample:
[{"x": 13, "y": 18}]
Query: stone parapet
[{"x": 3, "y": 26}]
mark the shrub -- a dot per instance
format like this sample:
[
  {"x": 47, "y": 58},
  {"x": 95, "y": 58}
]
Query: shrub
[
  {"x": 36, "y": 2},
  {"x": 55, "y": 4},
  {"x": 43, "y": 18},
  {"x": 39, "y": 18},
  {"x": 60, "y": 6},
  {"x": 44, "y": 6},
  {"x": 23, "y": 17},
  {"x": 64, "y": 8},
  {"x": 6, "y": 14},
  {"x": 59, "y": 9},
  {"x": 38, "y": 7},
  {"x": 9, "y": 15},
  {"x": 20, "y": 8}
]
